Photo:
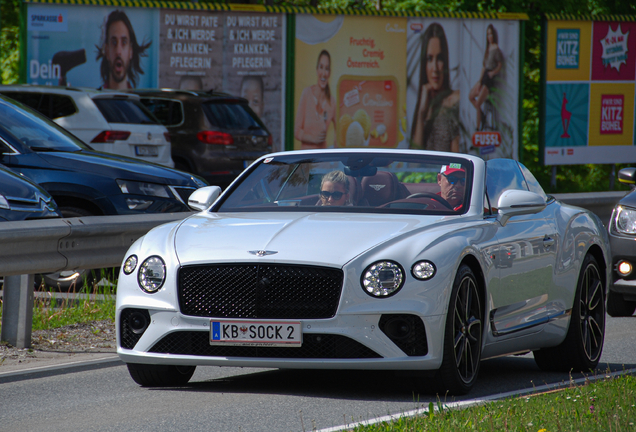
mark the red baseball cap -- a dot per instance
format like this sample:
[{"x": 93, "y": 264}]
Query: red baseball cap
[{"x": 453, "y": 169}]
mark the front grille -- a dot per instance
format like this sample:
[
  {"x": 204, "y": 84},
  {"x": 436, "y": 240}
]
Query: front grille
[
  {"x": 315, "y": 346},
  {"x": 259, "y": 291}
]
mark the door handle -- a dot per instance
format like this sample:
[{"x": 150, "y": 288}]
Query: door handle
[{"x": 548, "y": 242}]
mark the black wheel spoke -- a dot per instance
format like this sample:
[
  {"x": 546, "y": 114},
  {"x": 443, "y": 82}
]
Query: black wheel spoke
[{"x": 467, "y": 329}]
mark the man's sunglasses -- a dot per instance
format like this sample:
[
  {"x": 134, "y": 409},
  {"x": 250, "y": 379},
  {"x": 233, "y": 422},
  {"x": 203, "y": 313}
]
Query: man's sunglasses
[
  {"x": 452, "y": 179},
  {"x": 335, "y": 195}
]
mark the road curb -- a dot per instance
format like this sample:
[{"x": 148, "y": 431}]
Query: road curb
[{"x": 60, "y": 369}]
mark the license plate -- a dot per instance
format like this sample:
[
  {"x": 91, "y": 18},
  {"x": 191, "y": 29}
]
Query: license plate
[
  {"x": 256, "y": 333},
  {"x": 141, "y": 150}
]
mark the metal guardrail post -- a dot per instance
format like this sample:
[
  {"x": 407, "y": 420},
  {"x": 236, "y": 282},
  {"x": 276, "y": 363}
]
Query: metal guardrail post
[{"x": 17, "y": 310}]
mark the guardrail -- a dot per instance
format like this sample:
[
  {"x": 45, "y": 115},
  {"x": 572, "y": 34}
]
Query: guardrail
[
  {"x": 53, "y": 245},
  {"x": 45, "y": 246}
]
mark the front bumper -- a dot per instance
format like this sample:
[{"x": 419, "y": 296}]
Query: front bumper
[{"x": 344, "y": 342}]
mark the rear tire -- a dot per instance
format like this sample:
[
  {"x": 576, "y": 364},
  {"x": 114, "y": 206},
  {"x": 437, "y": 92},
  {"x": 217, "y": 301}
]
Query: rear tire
[
  {"x": 583, "y": 344},
  {"x": 462, "y": 336},
  {"x": 160, "y": 375},
  {"x": 617, "y": 306}
]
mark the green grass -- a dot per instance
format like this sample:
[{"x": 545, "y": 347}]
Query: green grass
[
  {"x": 605, "y": 405},
  {"x": 90, "y": 303}
]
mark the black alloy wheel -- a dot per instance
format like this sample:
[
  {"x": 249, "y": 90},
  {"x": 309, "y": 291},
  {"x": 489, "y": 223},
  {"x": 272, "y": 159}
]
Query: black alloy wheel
[
  {"x": 462, "y": 337},
  {"x": 581, "y": 350}
]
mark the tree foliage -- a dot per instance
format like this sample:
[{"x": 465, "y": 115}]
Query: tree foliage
[{"x": 570, "y": 178}]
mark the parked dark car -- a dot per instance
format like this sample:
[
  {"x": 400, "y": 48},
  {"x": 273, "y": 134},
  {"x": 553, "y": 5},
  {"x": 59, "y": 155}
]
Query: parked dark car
[
  {"x": 81, "y": 180},
  {"x": 214, "y": 135},
  {"x": 621, "y": 298},
  {"x": 21, "y": 199}
]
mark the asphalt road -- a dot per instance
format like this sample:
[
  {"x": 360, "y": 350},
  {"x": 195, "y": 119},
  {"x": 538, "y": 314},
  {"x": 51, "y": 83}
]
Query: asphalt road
[{"x": 232, "y": 399}]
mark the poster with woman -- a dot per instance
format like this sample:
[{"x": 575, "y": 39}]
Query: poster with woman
[
  {"x": 489, "y": 83},
  {"x": 433, "y": 95},
  {"x": 349, "y": 82}
]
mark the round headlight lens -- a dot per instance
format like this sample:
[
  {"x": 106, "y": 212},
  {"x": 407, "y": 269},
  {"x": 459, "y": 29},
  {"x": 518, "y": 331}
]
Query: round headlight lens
[
  {"x": 152, "y": 274},
  {"x": 382, "y": 279},
  {"x": 626, "y": 220},
  {"x": 130, "y": 264},
  {"x": 423, "y": 270}
]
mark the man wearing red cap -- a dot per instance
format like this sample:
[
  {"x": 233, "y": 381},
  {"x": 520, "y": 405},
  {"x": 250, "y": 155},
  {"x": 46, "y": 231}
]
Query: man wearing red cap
[{"x": 452, "y": 182}]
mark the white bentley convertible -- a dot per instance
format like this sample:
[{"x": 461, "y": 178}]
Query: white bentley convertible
[{"x": 367, "y": 259}]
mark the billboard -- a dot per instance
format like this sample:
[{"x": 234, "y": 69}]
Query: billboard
[
  {"x": 356, "y": 78},
  {"x": 241, "y": 53},
  {"x": 588, "y": 102},
  {"x": 414, "y": 82},
  {"x": 463, "y": 86},
  {"x": 350, "y": 83}
]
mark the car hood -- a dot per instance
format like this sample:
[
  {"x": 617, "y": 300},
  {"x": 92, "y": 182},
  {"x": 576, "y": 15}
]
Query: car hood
[
  {"x": 329, "y": 239},
  {"x": 116, "y": 167}
]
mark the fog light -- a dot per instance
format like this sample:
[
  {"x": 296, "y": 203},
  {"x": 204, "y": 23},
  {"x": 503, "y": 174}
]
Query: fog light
[
  {"x": 138, "y": 322},
  {"x": 624, "y": 268}
]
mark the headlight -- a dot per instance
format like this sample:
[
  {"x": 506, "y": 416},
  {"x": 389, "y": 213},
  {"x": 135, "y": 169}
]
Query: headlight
[
  {"x": 626, "y": 220},
  {"x": 152, "y": 274},
  {"x": 4, "y": 204},
  {"x": 130, "y": 264},
  {"x": 141, "y": 188},
  {"x": 423, "y": 270},
  {"x": 382, "y": 279}
]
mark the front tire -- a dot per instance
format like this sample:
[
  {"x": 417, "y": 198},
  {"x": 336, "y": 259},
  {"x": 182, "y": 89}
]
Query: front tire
[
  {"x": 462, "y": 336},
  {"x": 581, "y": 350},
  {"x": 160, "y": 375}
]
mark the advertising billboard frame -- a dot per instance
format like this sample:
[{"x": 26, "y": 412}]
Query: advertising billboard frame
[
  {"x": 583, "y": 86},
  {"x": 289, "y": 17}
]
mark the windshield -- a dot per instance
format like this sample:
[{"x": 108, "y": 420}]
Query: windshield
[
  {"x": 355, "y": 182},
  {"x": 36, "y": 131}
]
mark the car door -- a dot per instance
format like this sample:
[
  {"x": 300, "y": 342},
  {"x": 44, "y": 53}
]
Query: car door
[{"x": 525, "y": 259}]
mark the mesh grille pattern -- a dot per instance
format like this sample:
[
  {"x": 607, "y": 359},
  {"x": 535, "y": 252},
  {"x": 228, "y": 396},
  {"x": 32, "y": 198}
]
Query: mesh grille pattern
[
  {"x": 407, "y": 332},
  {"x": 128, "y": 337},
  {"x": 259, "y": 291},
  {"x": 315, "y": 346}
]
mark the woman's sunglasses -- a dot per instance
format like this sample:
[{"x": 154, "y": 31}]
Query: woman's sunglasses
[
  {"x": 335, "y": 195},
  {"x": 452, "y": 179}
]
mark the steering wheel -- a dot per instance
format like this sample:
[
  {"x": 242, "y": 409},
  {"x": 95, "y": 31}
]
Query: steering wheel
[{"x": 432, "y": 196}]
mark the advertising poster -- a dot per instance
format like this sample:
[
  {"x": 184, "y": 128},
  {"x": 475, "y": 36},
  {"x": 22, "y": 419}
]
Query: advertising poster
[
  {"x": 238, "y": 53},
  {"x": 350, "y": 82},
  {"x": 463, "y": 91},
  {"x": 589, "y": 92},
  {"x": 253, "y": 65},
  {"x": 191, "y": 49},
  {"x": 67, "y": 45}
]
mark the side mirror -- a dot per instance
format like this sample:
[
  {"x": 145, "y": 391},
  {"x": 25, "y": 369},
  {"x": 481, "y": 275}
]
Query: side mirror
[
  {"x": 518, "y": 202},
  {"x": 627, "y": 175},
  {"x": 203, "y": 198}
]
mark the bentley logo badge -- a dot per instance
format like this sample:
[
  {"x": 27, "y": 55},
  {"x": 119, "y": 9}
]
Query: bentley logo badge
[
  {"x": 377, "y": 187},
  {"x": 262, "y": 253}
]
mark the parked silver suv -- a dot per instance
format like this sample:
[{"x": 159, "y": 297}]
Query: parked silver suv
[{"x": 108, "y": 121}]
